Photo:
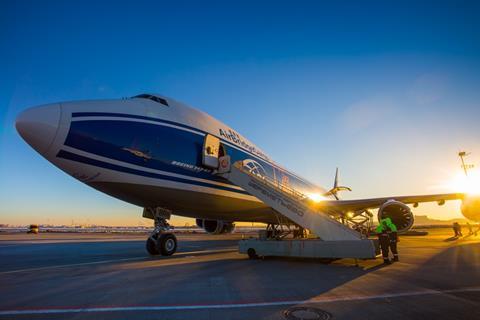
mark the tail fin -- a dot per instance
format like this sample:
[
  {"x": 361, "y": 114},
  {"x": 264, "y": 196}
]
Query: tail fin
[
  {"x": 335, "y": 182},
  {"x": 336, "y": 188}
]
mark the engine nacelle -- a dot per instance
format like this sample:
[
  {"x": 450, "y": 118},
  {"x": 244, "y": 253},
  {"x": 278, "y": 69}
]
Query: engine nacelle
[
  {"x": 400, "y": 214},
  {"x": 215, "y": 226},
  {"x": 471, "y": 208}
]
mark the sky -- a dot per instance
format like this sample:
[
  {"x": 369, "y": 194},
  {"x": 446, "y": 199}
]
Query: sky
[{"x": 388, "y": 91}]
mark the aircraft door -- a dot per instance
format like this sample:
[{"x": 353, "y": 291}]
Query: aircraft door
[{"x": 211, "y": 151}]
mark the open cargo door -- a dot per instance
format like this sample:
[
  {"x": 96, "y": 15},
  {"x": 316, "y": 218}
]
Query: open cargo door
[{"x": 211, "y": 151}]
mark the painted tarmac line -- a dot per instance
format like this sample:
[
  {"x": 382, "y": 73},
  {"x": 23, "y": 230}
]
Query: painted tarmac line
[
  {"x": 233, "y": 305},
  {"x": 73, "y": 265},
  {"x": 9, "y": 245},
  {"x": 70, "y": 241},
  {"x": 146, "y": 258}
]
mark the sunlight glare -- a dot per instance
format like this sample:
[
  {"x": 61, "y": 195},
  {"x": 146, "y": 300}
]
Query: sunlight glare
[
  {"x": 466, "y": 184},
  {"x": 315, "y": 197}
]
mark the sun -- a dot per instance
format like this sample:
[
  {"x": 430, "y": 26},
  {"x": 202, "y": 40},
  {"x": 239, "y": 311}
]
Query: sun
[{"x": 466, "y": 184}]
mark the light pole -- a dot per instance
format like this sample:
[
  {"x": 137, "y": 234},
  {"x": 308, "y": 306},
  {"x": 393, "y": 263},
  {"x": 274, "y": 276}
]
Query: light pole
[{"x": 465, "y": 167}]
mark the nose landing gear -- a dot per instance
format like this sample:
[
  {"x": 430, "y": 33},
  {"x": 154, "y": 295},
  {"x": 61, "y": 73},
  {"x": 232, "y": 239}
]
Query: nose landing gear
[
  {"x": 160, "y": 241},
  {"x": 164, "y": 244}
]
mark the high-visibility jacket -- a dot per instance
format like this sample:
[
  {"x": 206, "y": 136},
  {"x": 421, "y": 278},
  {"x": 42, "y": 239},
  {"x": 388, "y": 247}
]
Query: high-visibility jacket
[
  {"x": 380, "y": 229},
  {"x": 391, "y": 225},
  {"x": 386, "y": 225}
]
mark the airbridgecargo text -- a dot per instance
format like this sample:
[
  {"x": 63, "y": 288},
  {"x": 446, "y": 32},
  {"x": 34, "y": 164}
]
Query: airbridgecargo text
[{"x": 235, "y": 138}]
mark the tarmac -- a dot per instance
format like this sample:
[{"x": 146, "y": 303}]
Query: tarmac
[{"x": 110, "y": 276}]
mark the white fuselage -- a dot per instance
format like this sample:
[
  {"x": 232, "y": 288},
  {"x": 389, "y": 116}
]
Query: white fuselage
[{"x": 148, "y": 152}]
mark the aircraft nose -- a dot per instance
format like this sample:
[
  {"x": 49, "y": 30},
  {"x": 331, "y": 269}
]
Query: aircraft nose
[{"x": 38, "y": 126}]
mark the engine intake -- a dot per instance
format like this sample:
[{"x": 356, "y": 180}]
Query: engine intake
[
  {"x": 215, "y": 226},
  {"x": 400, "y": 214}
]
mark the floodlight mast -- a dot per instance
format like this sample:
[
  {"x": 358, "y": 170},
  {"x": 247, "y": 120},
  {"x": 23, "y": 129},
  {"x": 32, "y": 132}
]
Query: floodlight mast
[{"x": 465, "y": 167}]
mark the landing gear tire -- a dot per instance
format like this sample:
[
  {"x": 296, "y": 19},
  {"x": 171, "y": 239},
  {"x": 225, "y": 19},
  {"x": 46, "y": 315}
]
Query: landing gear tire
[
  {"x": 167, "y": 244},
  {"x": 151, "y": 246},
  {"x": 252, "y": 254},
  {"x": 160, "y": 241}
]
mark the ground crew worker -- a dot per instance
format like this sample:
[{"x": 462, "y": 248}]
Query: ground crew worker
[
  {"x": 470, "y": 229},
  {"x": 454, "y": 227},
  {"x": 458, "y": 229},
  {"x": 384, "y": 240},
  {"x": 393, "y": 236},
  {"x": 388, "y": 238}
]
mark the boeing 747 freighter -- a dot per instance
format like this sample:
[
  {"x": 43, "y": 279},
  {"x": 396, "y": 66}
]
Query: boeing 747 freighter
[{"x": 161, "y": 155}]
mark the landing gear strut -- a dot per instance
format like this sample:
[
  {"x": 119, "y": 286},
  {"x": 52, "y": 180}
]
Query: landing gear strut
[{"x": 160, "y": 241}]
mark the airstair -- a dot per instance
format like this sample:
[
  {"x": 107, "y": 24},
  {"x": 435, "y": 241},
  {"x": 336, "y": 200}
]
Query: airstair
[{"x": 335, "y": 240}]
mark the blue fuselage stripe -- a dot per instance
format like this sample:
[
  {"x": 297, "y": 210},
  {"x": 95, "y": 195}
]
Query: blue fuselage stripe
[
  {"x": 161, "y": 121},
  {"x": 78, "y": 158},
  {"x": 133, "y": 116},
  {"x": 158, "y": 147}
]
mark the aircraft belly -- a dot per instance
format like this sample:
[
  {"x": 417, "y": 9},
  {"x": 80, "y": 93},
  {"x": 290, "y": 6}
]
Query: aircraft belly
[{"x": 188, "y": 203}]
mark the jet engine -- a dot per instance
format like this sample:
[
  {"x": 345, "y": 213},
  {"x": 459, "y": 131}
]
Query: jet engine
[
  {"x": 471, "y": 208},
  {"x": 215, "y": 226},
  {"x": 400, "y": 214}
]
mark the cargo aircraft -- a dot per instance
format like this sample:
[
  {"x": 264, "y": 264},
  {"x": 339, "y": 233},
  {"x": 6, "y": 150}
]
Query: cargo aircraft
[{"x": 160, "y": 154}]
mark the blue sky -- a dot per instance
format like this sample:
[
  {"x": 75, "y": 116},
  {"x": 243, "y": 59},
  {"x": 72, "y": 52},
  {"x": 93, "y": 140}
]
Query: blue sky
[{"x": 389, "y": 92}]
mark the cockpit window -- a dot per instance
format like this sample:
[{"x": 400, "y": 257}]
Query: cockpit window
[{"x": 153, "y": 98}]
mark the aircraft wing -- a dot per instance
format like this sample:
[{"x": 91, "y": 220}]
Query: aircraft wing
[{"x": 373, "y": 203}]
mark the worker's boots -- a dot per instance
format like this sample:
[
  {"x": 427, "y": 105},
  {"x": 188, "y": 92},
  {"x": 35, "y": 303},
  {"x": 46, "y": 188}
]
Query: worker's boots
[
  {"x": 395, "y": 258},
  {"x": 387, "y": 261}
]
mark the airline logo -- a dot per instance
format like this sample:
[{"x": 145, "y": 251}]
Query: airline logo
[{"x": 234, "y": 137}]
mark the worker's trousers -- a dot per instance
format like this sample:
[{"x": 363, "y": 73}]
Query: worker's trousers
[
  {"x": 384, "y": 245},
  {"x": 393, "y": 247}
]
